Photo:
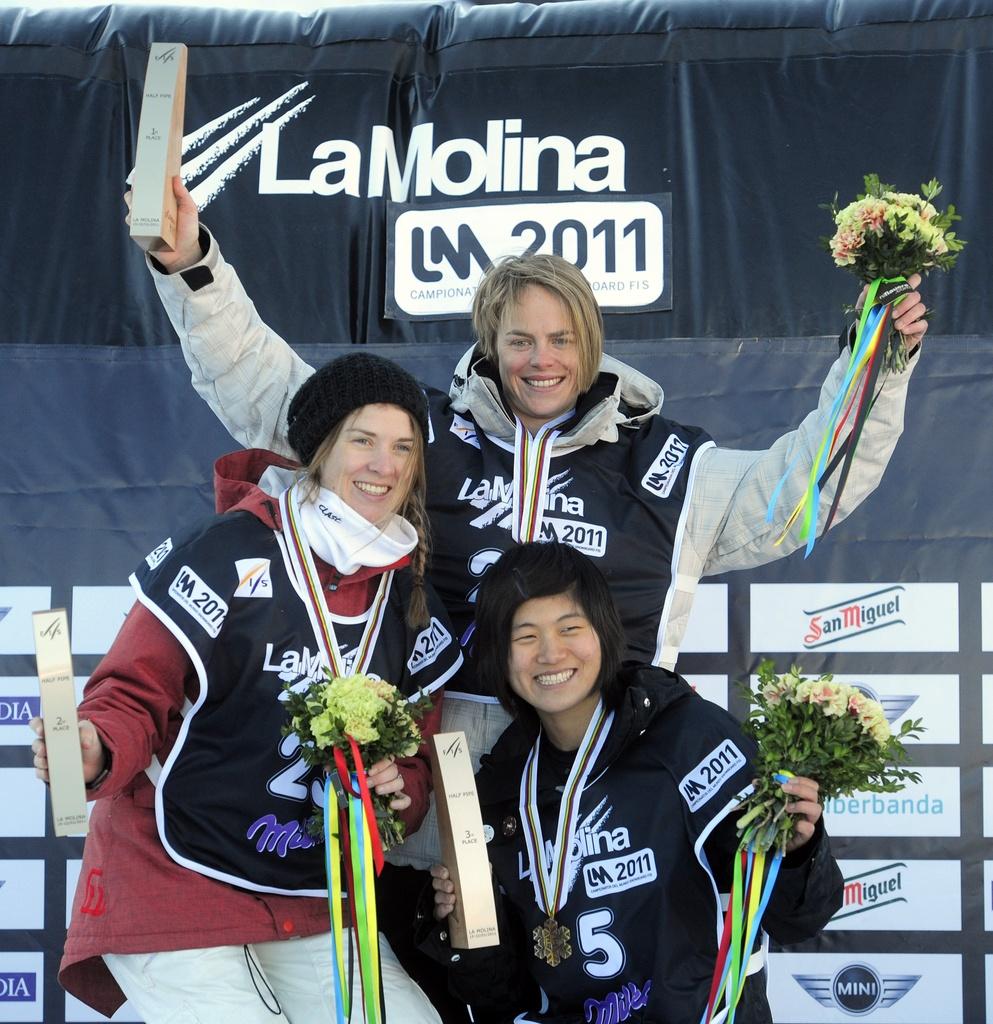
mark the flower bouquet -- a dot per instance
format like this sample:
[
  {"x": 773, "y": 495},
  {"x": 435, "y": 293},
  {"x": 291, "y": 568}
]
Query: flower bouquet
[
  {"x": 354, "y": 721},
  {"x": 823, "y": 730},
  {"x": 827, "y": 731},
  {"x": 886, "y": 236}
]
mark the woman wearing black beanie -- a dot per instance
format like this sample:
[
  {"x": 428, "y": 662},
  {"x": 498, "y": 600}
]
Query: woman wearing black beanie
[{"x": 198, "y": 868}]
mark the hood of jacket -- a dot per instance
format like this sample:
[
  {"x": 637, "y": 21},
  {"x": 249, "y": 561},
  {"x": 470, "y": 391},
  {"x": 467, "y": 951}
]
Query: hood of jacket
[
  {"x": 649, "y": 692},
  {"x": 238, "y": 483},
  {"x": 620, "y": 397}
]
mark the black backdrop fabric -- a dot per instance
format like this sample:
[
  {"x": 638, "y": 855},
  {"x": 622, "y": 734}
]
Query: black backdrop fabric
[{"x": 728, "y": 124}]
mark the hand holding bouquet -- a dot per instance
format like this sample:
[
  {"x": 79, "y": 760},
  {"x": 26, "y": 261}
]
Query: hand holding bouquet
[
  {"x": 355, "y": 713},
  {"x": 821, "y": 729},
  {"x": 887, "y": 235}
]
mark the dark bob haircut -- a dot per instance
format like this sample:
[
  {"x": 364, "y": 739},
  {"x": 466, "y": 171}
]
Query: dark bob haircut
[{"x": 543, "y": 570}]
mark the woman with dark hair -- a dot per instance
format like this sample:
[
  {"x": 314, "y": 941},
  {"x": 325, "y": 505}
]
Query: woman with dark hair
[
  {"x": 198, "y": 869},
  {"x": 609, "y": 865}
]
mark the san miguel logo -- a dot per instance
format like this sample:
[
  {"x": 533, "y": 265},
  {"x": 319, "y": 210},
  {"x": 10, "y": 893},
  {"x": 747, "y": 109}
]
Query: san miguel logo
[
  {"x": 863, "y": 614},
  {"x": 505, "y": 159},
  {"x": 871, "y": 890}
]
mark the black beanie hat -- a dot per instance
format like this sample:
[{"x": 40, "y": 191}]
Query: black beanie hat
[{"x": 344, "y": 385}]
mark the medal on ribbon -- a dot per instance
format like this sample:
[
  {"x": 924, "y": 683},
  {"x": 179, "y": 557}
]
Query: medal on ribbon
[{"x": 552, "y": 940}]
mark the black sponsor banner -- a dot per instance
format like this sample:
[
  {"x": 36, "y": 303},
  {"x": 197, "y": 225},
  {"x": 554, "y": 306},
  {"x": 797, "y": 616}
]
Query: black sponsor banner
[{"x": 301, "y": 132}]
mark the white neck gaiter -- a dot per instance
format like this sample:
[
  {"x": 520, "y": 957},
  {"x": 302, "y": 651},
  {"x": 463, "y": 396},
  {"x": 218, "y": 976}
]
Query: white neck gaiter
[{"x": 341, "y": 537}]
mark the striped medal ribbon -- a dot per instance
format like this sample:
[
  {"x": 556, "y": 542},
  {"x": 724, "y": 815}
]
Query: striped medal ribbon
[
  {"x": 531, "y": 458},
  {"x": 552, "y": 940},
  {"x": 317, "y": 608}
]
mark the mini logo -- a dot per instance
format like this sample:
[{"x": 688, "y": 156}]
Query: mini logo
[
  {"x": 873, "y": 889},
  {"x": 478, "y": 566},
  {"x": 328, "y": 514},
  {"x": 865, "y": 614},
  {"x": 167, "y": 56},
  {"x": 192, "y": 594},
  {"x": 156, "y": 557},
  {"x": 664, "y": 471},
  {"x": 94, "y": 899},
  {"x": 700, "y": 784},
  {"x": 253, "y": 577},
  {"x": 428, "y": 645},
  {"x": 464, "y": 430},
  {"x": 16, "y": 987},
  {"x": 857, "y": 988},
  {"x": 19, "y": 710}
]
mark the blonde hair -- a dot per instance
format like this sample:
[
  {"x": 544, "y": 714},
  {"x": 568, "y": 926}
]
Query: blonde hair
[
  {"x": 503, "y": 285},
  {"x": 412, "y": 508}
]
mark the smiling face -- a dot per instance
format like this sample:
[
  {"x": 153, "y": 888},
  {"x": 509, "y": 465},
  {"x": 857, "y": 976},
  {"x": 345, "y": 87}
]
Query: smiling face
[
  {"x": 538, "y": 357},
  {"x": 371, "y": 464},
  {"x": 554, "y": 665}
]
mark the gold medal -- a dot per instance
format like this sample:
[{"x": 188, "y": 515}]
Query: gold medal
[{"x": 551, "y": 942}]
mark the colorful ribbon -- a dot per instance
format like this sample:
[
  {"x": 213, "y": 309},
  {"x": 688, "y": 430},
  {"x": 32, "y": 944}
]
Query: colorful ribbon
[
  {"x": 857, "y": 386},
  {"x": 351, "y": 838},
  {"x": 751, "y": 889}
]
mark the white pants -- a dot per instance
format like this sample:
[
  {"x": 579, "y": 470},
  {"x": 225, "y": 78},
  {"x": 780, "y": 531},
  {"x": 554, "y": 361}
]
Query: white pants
[
  {"x": 482, "y": 725},
  {"x": 287, "y": 981}
]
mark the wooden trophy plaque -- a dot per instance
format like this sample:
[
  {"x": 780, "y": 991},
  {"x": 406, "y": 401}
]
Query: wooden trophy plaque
[
  {"x": 159, "y": 151},
  {"x": 473, "y": 923},
  {"x": 58, "y": 709}
]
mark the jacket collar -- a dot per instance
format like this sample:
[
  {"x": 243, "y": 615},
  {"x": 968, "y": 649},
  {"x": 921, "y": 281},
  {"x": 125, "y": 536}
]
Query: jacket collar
[{"x": 620, "y": 397}]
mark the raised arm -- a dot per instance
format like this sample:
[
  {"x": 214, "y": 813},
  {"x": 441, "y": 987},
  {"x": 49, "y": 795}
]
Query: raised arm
[
  {"x": 727, "y": 524},
  {"x": 242, "y": 368}
]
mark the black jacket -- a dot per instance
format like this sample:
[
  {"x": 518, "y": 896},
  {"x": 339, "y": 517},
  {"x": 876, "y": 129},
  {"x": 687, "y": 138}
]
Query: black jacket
[{"x": 656, "y": 835}]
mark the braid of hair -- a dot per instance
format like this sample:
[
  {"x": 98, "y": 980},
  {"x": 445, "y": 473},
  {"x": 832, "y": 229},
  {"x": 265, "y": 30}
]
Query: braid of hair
[{"x": 416, "y": 515}]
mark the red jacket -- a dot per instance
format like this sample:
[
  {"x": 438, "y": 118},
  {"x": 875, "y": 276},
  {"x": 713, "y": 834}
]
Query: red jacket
[{"x": 131, "y": 897}]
